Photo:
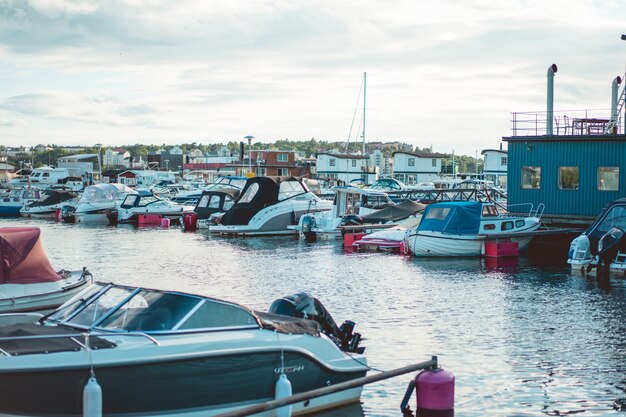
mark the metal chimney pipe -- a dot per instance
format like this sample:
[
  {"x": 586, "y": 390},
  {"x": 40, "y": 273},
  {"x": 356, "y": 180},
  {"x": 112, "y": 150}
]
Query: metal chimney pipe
[
  {"x": 614, "y": 94},
  {"x": 550, "y": 111}
]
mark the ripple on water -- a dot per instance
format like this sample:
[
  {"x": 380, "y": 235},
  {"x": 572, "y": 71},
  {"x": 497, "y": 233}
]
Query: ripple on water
[{"x": 522, "y": 339}]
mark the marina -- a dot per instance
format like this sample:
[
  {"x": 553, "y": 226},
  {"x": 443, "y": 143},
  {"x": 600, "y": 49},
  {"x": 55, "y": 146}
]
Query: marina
[{"x": 523, "y": 336}]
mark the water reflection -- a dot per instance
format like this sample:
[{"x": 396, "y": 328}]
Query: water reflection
[{"x": 524, "y": 337}]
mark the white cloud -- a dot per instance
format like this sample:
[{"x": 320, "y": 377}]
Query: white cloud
[{"x": 447, "y": 73}]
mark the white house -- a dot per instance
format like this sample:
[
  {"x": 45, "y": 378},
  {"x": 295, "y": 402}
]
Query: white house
[
  {"x": 85, "y": 165},
  {"x": 413, "y": 168},
  {"x": 495, "y": 166},
  {"x": 116, "y": 158},
  {"x": 345, "y": 167}
]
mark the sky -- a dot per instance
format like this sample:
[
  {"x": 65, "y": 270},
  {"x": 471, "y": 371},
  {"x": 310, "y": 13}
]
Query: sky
[{"x": 447, "y": 73}]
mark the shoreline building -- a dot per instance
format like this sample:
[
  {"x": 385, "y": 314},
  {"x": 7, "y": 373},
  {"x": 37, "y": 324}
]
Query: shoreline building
[
  {"x": 413, "y": 168},
  {"x": 495, "y": 166},
  {"x": 345, "y": 167},
  {"x": 572, "y": 162}
]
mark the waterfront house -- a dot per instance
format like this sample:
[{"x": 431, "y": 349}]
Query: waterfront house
[
  {"x": 412, "y": 168},
  {"x": 495, "y": 166},
  {"x": 345, "y": 167}
]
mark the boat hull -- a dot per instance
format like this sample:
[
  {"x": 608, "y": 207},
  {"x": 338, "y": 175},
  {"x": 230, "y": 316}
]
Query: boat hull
[
  {"x": 42, "y": 298},
  {"x": 205, "y": 386},
  {"x": 439, "y": 244}
]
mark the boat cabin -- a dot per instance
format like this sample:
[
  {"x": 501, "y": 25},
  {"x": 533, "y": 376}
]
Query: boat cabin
[
  {"x": 359, "y": 201},
  {"x": 214, "y": 201}
]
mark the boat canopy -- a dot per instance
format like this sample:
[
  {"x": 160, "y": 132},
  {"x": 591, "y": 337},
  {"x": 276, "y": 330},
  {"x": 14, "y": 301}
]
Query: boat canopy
[
  {"x": 460, "y": 218},
  {"x": 51, "y": 197},
  {"x": 24, "y": 260},
  {"x": 394, "y": 212},
  {"x": 261, "y": 192},
  {"x": 215, "y": 201},
  {"x": 104, "y": 192}
]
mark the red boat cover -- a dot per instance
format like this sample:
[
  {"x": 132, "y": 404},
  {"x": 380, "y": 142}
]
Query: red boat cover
[{"x": 24, "y": 260}]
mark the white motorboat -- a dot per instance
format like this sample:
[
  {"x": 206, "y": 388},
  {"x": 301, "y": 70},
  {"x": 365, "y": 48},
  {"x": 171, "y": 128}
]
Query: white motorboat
[
  {"x": 350, "y": 204},
  {"x": 27, "y": 280},
  {"x": 602, "y": 244},
  {"x": 268, "y": 205},
  {"x": 46, "y": 206},
  {"x": 461, "y": 228},
  {"x": 135, "y": 205},
  {"x": 11, "y": 204},
  {"x": 99, "y": 201},
  {"x": 390, "y": 239},
  {"x": 46, "y": 177},
  {"x": 167, "y": 353}
]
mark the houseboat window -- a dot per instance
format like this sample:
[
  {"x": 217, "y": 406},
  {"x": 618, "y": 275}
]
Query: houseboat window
[
  {"x": 489, "y": 226},
  {"x": 250, "y": 193},
  {"x": 354, "y": 162},
  {"x": 568, "y": 178},
  {"x": 216, "y": 314},
  {"x": 519, "y": 223},
  {"x": 531, "y": 177},
  {"x": 411, "y": 162},
  {"x": 608, "y": 178},
  {"x": 504, "y": 160},
  {"x": 434, "y": 162},
  {"x": 288, "y": 189},
  {"x": 331, "y": 162},
  {"x": 439, "y": 213},
  {"x": 506, "y": 225}
]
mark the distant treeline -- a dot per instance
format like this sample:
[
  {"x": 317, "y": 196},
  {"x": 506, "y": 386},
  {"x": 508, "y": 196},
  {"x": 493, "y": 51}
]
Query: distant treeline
[{"x": 310, "y": 147}]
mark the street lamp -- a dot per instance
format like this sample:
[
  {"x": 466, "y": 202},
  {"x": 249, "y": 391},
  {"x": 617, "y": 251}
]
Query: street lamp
[{"x": 249, "y": 152}]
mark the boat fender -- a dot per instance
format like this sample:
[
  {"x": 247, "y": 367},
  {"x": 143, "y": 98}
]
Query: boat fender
[
  {"x": 92, "y": 398},
  {"x": 283, "y": 390},
  {"x": 434, "y": 391}
]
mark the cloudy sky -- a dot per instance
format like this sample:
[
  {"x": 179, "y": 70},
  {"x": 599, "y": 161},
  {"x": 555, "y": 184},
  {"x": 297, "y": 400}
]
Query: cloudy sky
[{"x": 445, "y": 73}]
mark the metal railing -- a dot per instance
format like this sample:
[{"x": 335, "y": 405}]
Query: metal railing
[{"x": 566, "y": 123}]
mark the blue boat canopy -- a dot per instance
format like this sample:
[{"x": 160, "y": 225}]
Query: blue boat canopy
[{"x": 458, "y": 218}]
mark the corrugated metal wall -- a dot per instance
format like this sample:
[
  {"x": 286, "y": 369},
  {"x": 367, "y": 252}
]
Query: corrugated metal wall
[{"x": 588, "y": 155}]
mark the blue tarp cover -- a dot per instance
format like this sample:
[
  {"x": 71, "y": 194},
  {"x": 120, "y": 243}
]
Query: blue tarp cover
[{"x": 458, "y": 218}]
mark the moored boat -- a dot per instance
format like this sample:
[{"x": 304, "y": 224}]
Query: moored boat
[
  {"x": 99, "y": 201},
  {"x": 462, "y": 228},
  {"x": 268, "y": 206},
  {"x": 46, "y": 206},
  {"x": 27, "y": 280},
  {"x": 169, "y": 353}
]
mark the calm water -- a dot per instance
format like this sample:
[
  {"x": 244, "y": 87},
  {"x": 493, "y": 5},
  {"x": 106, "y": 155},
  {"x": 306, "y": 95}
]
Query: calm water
[{"x": 523, "y": 339}]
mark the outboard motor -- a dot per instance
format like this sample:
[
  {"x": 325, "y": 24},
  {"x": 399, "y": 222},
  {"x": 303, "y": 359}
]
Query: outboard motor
[
  {"x": 112, "y": 216},
  {"x": 579, "y": 250},
  {"x": 308, "y": 223},
  {"x": 68, "y": 214},
  {"x": 608, "y": 246},
  {"x": 303, "y": 305}
]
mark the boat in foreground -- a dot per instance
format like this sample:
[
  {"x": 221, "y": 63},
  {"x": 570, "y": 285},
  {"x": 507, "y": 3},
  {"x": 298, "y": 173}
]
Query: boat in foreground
[
  {"x": 462, "y": 228},
  {"x": 27, "y": 280},
  {"x": 169, "y": 353}
]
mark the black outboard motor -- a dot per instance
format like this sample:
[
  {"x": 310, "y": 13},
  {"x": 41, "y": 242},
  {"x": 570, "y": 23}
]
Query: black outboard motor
[
  {"x": 608, "y": 245},
  {"x": 303, "y": 305}
]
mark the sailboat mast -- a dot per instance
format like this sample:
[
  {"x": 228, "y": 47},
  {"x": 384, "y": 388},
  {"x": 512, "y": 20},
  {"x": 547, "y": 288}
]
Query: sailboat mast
[{"x": 364, "y": 95}]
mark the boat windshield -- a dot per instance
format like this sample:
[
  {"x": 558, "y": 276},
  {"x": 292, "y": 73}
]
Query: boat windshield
[
  {"x": 120, "y": 308},
  {"x": 616, "y": 217},
  {"x": 288, "y": 189}
]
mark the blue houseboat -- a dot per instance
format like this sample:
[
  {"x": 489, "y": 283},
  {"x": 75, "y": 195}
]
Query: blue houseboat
[{"x": 571, "y": 162}]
